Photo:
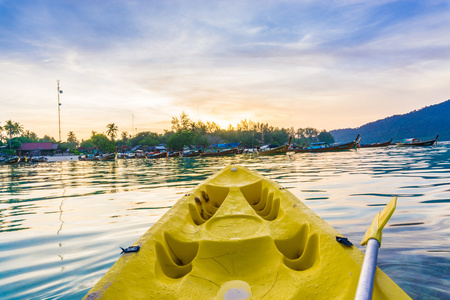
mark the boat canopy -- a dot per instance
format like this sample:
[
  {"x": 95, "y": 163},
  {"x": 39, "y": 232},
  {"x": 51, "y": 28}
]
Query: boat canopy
[
  {"x": 229, "y": 145},
  {"x": 410, "y": 140}
]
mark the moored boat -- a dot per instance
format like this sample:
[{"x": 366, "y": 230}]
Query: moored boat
[
  {"x": 275, "y": 150},
  {"x": 38, "y": 159},
  {"x": 89, "y": 157},
  {"x": 187, "y": 152},
  {"x": 156, "y": 154},
  {"x": 375, "y": 145},
  {"x": 190, "y": 153},
  {"x": 413, "y": 142},
  {"x": 173, "y": 154},
  {"x": 109, "y": 156},
  {"x": 11, "y": 160},
  {"x": 322, "y": 147},
  {"x": 225, "y": 152},
  {"x": 140, "y": 154},
  {"x": 240, "y": 234}
]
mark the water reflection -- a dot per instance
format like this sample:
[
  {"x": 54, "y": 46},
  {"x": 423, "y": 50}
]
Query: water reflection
[{"x": 61, "y": 224}]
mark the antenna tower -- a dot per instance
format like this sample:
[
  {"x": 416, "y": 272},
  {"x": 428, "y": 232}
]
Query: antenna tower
[{"x": 59, "y": 109}]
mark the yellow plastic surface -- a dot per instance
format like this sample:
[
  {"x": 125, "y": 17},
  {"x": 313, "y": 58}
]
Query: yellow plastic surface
[
  {"x": 239, "y": 236},
  {"x": 376, "y": 228}
]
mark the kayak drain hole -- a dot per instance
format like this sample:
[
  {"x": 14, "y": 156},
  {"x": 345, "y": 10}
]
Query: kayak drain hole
[
  {"x": 301, "y": 250},
  {"x": 175, "y": 257},
  {"x": 206, "y": 203},
  {"x": 262, "y": 199}
]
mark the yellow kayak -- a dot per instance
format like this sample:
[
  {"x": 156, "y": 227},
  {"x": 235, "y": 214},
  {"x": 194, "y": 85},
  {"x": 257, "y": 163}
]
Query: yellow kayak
[{"x": 239, "y": 235}]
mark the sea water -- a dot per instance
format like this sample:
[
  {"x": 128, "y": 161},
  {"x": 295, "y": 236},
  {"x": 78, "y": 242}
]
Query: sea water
[{"x": 62, "y": 223}]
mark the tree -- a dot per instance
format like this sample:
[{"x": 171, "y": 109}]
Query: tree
[
  {"x": 212, "y": 127},
  {"x": 1, "y": 135},
  {"x": 47, "y": 139},
  {"x": 325, "y": 137},
  {"x": 180, "y": 139},
  {"x": 72, "y": 140},
  {"x": 112, "y": 131},
  {"x": 87, "y": 144},
  {"x": 100, "y": 140},
  {"x": 13, "y": 128},
  {"x": 147, "y": 138},
  {"x": 31, "y": 135},
  {"x": 182, "y": 124},
  {"x": 243, "y": 126},
  {"x": 125, "y": 137}
]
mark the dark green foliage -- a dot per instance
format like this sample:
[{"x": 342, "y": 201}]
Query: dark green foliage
[
  {"x": 180, "y": 139},
  {"x": 87, "y": 144},
  {"x": 101, "y": 141},
  {"x": 146, "y": 138},
  {"x": 185, "y": 132},
  {"x": 47, "y": 139},
  {"x": 16, "y": 143},
  {"x": 325, "y": 137}
]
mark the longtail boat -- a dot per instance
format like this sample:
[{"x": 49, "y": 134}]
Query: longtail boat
[
  {"x": 239, "y": 235},
  {"x": 173, "y": 154},
  {"x": 329, "y": 148},
  {"x": 140, "y": 154},
  {"x": 375, "y": 145},
  {"x": 186, "y": 152},
  {"x": 190, "y": 153},
  {"x": 157, "y": 154},
  {"x": 109, "y": 156},
  {"x": 277, "y": 150},
  {"x": 11, "y": 161},
  {"x": 225, "y": 152},
  {"x": 413, "y": 142},
  {"x": 89, "y": 157}
]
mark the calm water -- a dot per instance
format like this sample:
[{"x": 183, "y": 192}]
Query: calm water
[{"x": 61, "y": 224}]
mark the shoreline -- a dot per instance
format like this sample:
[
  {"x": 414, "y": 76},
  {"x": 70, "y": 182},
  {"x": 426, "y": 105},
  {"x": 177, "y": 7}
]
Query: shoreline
[{"x": 55, "y": 158}]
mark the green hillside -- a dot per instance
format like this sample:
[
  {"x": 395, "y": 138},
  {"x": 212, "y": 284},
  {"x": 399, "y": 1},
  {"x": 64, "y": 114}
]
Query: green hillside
[{"x": 423, "y": 124}]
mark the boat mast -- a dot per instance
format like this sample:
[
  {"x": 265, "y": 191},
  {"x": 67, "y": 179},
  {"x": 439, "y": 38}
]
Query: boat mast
[{"x": 59, "y": 109}]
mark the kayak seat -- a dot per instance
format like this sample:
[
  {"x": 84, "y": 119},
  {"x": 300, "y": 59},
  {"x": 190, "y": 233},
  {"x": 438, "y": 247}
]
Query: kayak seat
[
  {"x": 207, "y": 202},
  {"x": 175, "y": 257},
  {"x": 301, "y": 250},
  {"x": 262, "y": 199}
]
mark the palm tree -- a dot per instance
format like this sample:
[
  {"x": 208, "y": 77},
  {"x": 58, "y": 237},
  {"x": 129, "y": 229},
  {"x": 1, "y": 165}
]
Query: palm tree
[
  {"x": 112, "y": 130},
  {"x": 30, "y": 134},
  {"x": 124, "y": 136},
  {"x": 13, "y": 128},
  {"x": 72, "y": 139}
]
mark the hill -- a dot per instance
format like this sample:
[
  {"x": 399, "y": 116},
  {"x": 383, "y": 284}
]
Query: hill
[{"x": 423, "y": 124}]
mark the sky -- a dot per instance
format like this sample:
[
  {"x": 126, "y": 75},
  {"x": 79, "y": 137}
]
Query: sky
[{"x": 312, "y": 63}]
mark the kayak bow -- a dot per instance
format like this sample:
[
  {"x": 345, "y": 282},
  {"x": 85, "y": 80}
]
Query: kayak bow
[{"x": 240, "y": 235}]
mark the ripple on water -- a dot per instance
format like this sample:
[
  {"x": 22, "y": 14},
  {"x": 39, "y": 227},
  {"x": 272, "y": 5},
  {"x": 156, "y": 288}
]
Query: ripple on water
[{"x": 61, "y": 224}]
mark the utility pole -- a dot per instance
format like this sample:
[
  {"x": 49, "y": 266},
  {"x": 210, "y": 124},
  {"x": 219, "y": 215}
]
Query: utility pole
[{"x": 59, "y": 109}]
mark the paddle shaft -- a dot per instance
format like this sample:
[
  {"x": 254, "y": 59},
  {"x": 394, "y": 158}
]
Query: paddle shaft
[{"x": 367, "y": 277}]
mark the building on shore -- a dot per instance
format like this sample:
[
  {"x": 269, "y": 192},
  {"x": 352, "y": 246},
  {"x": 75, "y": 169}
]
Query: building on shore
[{"x": 38, "y": 149}]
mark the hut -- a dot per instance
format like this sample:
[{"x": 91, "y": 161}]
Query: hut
[{"x": 38, "y": 149}]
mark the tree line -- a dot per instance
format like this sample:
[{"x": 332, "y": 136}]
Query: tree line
[{"x": 184, "y": 132}]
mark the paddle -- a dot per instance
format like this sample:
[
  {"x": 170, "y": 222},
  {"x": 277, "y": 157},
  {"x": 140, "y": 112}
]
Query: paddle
[{"x": 373, "y": 240}]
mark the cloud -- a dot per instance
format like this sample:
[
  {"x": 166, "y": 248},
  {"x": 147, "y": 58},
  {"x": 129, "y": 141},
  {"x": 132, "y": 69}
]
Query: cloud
[{"x": 290, "y": 63}]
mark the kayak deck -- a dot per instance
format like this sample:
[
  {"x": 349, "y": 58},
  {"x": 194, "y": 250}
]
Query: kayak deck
[{"x": 240, "y": 235}]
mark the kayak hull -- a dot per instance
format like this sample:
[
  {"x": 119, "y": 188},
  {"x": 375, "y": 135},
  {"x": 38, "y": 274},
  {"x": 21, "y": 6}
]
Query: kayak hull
[{"x": 239, "y": 232}]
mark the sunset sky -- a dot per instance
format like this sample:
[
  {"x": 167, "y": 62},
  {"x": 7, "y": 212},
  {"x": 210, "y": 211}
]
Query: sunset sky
[{"x": 312, "y": 63}]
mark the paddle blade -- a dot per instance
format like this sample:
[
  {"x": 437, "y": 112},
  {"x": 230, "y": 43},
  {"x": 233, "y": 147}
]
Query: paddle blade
[{"x": 378, "y": 223}]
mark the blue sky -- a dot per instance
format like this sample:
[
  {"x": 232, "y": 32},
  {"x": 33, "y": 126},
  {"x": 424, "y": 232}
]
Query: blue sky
[{"x": 322, "y": 64}]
